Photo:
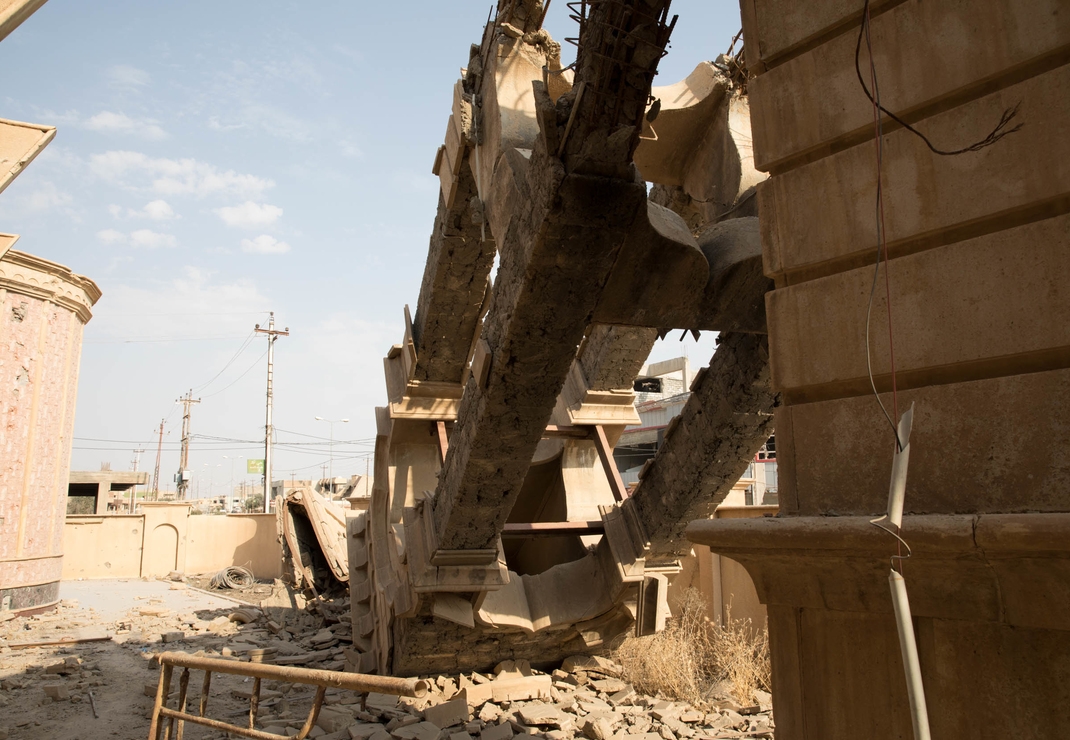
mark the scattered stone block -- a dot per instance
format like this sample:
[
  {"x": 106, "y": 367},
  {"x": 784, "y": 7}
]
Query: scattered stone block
[
  {"x": 448, "y": 713},
  {"x": 364, "y": 730},
  {"x": 57, "y": 692},
  {"x": 609, "y": 685},
  {"x": 691, "y": 716},
  {"x": 175, "y": 636},
  {"x": 626, "y": 695},
  {"x": 490, "y": 712},
  {"x": 539, "y": 714},
  {"x": 333, "y": 719},
  {"x": 381, "y": 701},
  {"x": 598, "y": 729},
  {"x": 503, "y": 731},
  {"x": 419, "y": 731},
  {"x": 576, "y": 663},
  {"x": 460, "y": 736}
]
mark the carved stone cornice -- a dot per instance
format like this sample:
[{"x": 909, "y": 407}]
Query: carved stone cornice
[{"x": 33, "y": 276}]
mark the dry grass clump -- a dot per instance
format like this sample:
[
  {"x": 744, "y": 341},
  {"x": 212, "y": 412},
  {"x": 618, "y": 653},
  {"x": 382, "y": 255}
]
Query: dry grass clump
[{"x": 692, "y": 655}]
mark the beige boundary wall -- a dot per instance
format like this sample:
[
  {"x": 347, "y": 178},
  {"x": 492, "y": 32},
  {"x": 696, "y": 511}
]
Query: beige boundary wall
[
  {"x": 724, "y": 584},
  {"x": 165, "y": 537}
]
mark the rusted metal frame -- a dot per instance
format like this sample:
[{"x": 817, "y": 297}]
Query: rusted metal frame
[
  {"x": 443, "y": 440},
  {"x": 162, "y": 690},
  {"x": 310, "y": 676},
  {"x": 254, "y": 702},
  {"x": 183, "y": 688},
  {"x": 204, "y": 692},
  {"x": 552, "y": 529},
  {"x": 163, "y": 715},
  {"x": 605, "y": 454}
]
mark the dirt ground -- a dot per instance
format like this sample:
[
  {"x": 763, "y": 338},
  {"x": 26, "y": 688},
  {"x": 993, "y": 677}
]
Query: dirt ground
[
  {"x": 135, "y": 620},
  {"x": 102, "y": 683}
]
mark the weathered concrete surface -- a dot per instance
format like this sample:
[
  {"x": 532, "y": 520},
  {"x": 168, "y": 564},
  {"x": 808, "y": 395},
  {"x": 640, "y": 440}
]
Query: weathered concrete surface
[
  {"x": 979, "y": 349},
  {"x": 14, "y": 12},
  {"x": 961, "y": 461},
  {"x": 818, "y": 219},
  {"x": 727, "y": 419},
  {"x": 43, "y": 309},
  {"x": 454, "y": 285},
  {"x": 611, "y": 356},
  {"x": 947, "y": 334},
  {"x": 1017, "y": 36},
  {"x": 556, "y": 256}
]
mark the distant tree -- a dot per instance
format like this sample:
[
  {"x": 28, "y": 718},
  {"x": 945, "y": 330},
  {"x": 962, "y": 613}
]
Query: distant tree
[{"x": 254, "y": 503}]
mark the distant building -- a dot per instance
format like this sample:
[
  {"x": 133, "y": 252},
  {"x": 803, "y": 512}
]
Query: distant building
[
  {"x": 103, "y": 491},
  {"x": 662, "y": 391}
]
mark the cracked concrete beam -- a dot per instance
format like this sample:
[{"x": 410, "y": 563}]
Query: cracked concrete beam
[
  {"x": 708, "y": 447},
  {"x": 612, "y": 356},
  {"x": 557, "y": 256},
  {"x": 455, "y": 281}
]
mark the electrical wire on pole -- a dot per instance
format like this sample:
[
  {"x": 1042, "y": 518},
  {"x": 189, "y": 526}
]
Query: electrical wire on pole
[
  {"x": 272, "y": 334},
  {"x": 156, "y": 474},
  {"x": 183, "y": 477}
]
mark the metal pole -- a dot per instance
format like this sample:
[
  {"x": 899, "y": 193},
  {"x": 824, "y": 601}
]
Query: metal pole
[
  {"x": 156, "y": 474},
  {"x": 272, "y": 334}
]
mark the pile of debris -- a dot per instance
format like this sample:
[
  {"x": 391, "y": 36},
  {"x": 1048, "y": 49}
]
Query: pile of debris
[{"x": 585, "y": 698}]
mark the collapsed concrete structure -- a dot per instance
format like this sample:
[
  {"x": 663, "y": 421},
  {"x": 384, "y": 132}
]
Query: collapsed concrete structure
[
  {"x": 979, "y": 308},
  {"x": 499, "y": 527}
]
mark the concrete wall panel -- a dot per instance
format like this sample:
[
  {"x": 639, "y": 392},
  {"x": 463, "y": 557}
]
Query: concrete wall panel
[
  {"x": 103, "y": 546},
  {"x": 248, "y": 540},
  {"x": 1004, "y": 37},
  {"x": 961, "y": 461},
  {"x": 821, "y": 215},
  {"x": 945, "y": 323}
]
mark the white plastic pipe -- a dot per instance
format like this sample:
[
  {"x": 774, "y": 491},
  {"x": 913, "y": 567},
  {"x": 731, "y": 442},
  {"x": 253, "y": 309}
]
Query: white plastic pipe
[
  {"x": 897, "y": 488},
  {"x": 919, "y": 713}
]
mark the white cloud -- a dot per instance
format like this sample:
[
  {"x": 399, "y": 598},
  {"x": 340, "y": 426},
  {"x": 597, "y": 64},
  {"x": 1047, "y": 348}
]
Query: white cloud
[
  {"x": 349, "y": 149},
  {"x": 152, "y": 239},
  {"x": 249, "y": 215},
  {"x": 264, "y": 244},
  {"x": 207, "y": 306},
  {"x": 126, "y": 77},
  {"x": 109, "y": 122},
  {"x": 45, "y": 198},
  {"x": 111, "y": 236},
  {"x": 174, "y": 176},
  {"x": 157, "y": 210},
  {"x": 140, "y": 238}
]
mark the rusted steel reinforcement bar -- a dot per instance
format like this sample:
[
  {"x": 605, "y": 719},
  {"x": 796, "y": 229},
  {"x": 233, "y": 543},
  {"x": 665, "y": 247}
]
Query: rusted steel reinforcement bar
[{"x": 352, "y": 681}]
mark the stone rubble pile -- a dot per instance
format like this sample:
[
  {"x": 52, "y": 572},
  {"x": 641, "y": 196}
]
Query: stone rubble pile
[{"x": 585, "y": 699}]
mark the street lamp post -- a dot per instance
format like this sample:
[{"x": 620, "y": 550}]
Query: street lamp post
[
  {"x": 230, "y": 489},
  {"x": 332, "y": 422}
]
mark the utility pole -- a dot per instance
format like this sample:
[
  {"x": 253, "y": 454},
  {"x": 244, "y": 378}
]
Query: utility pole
[
  {"x": 183, "y": 477},
  {"x": 133, "y": 488},
  {"x": 272, "y": 335},
  {"x": 156, "y": 474}
]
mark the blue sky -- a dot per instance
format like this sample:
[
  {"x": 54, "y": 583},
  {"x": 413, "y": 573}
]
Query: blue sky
[{"x": 217, "y": 160}]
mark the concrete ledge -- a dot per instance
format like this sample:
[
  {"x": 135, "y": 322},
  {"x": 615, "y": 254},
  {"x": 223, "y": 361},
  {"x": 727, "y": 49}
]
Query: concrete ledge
[{"x": 962, "y": 567}]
